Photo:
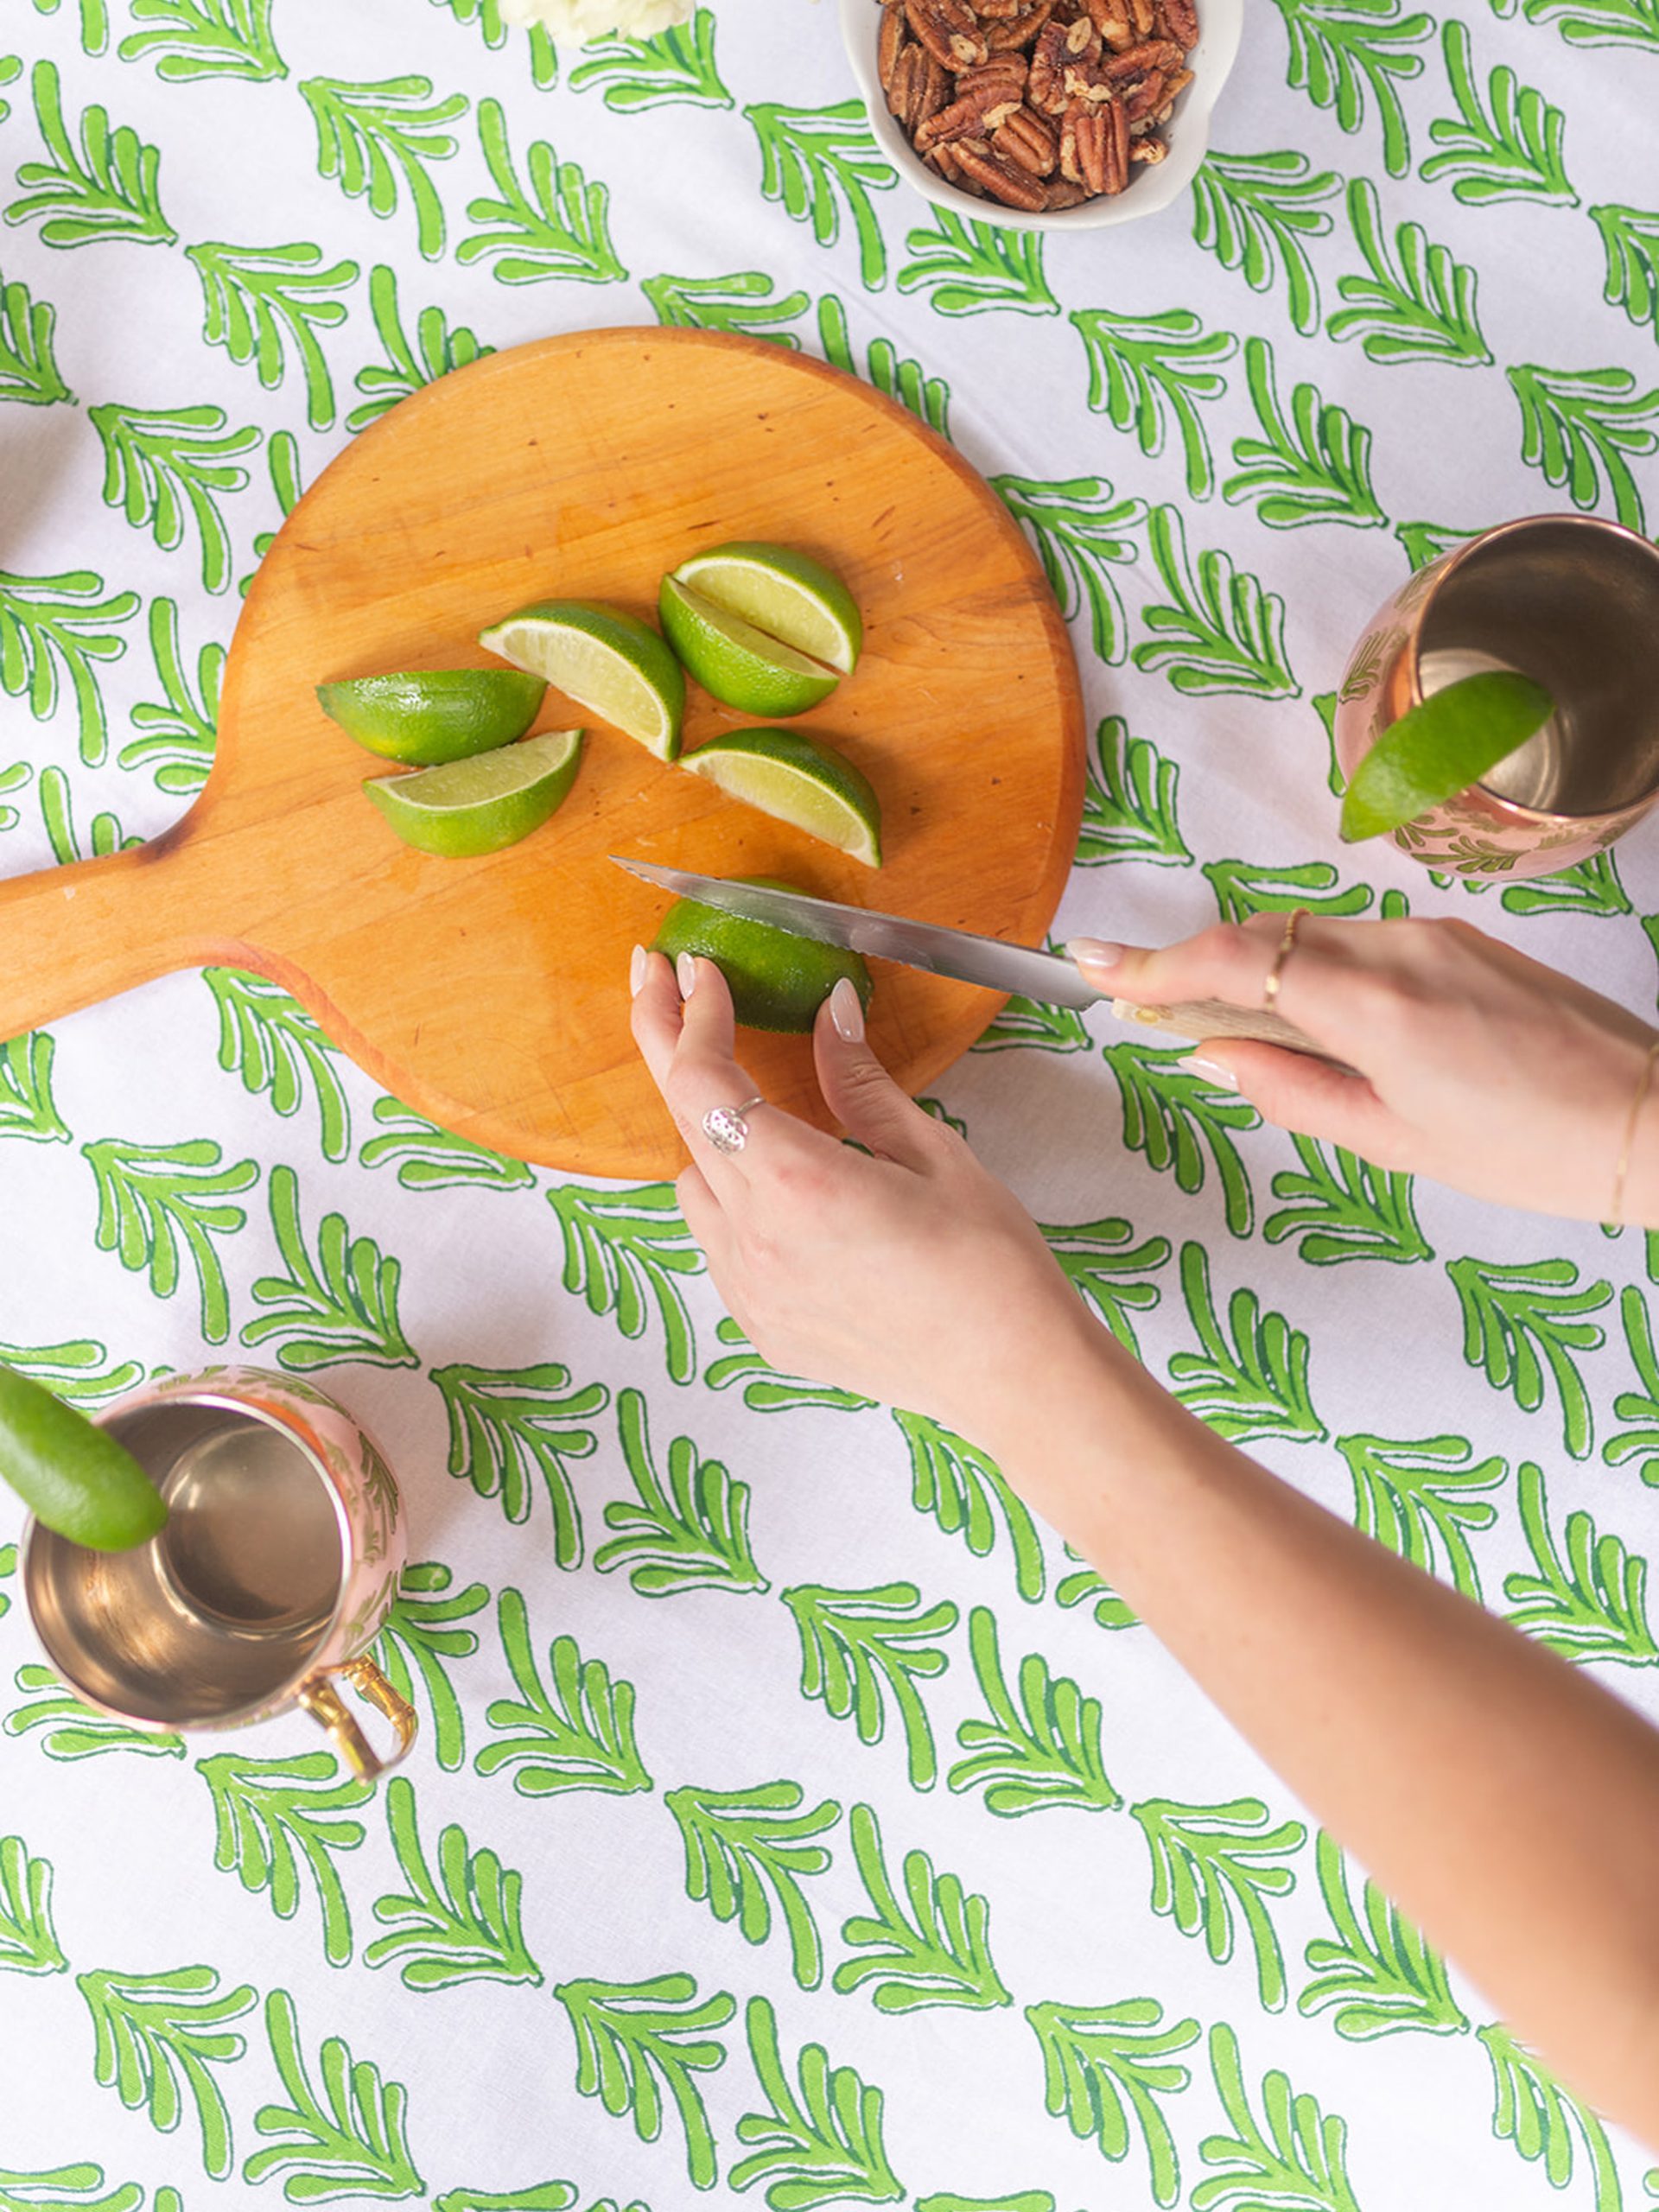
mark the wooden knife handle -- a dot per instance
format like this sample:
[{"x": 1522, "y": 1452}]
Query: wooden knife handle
[{"x": 1201, "y": 1017}]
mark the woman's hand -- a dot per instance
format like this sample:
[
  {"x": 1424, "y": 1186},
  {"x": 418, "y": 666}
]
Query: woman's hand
[
  {"x": 1476, "y": 1066},
  {"x": 913, "y": 1277}
]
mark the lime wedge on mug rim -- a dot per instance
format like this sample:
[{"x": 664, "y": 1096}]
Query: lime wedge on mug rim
[
  {"x": 1449, "y": 741},
  {"x": 72, "y": 1475}
]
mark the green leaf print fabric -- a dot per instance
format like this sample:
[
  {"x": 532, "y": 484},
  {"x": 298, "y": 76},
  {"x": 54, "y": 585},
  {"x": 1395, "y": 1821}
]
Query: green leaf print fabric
[{"x": 793, "y": 1822}]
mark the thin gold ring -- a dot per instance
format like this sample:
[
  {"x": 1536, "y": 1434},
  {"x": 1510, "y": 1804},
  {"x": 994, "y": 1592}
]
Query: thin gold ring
[{"x": 1293, "y": 921}]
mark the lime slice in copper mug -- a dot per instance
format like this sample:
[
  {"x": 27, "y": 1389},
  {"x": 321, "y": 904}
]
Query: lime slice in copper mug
[
  {"x": 786, "y": 594},
  {"x": 434, "y": 715},
  {"x": 1439, "y": 748},
  {"x": 799, "y": 779},
  {"x": 778, "y": 981},
  {"x": 467, "y": 808},
  {"x": 73, "y": 1477},
  {"x": 606, "y": 659}
]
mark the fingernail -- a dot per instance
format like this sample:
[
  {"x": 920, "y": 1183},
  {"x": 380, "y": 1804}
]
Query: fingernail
[
  {"x": 685, "y": 971},
  {"x": 1094, "y": 952},
  {"x": 639, "y": 961},
  {"x": 847, "y": 1013},
  {"x": 1211, "y": 1071}
]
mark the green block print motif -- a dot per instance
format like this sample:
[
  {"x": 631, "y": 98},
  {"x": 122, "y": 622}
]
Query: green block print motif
[
  {"x": 165, "y": 467},
  {"x": 158, "y": 2037},
  {"x": 1219, "y": 630},
  {"x": 345, "y": 2135},
  {"x": 79, "y": 1371},
  {"x": 422, "y": 1635},
  {"x": 53, "y": 631},
  {"x": 1174, "y": 1116},
  {"x": 932, "y": 1948},
  {"x": 28, "y": 1942},
  {"x": 434, "y": 349},
  {"x": 1129, "y": 802},
  {"x": 341, "y": 1305},
  {"x": 469, "y": 1930},
  {"x": 962, "y": 267},
  {"x": 105, "y": 188},
  {"x": 1417, "y": 304},
  {"x": 928, "y": 397},
  {"x": 1342, "y": 1208},
  {"x": 273, "y": 1815},
  {"x": 159, "y": 1202},
  {"x": 190, "y": 40},
  {"x": 69, "y": 1730},
  {"x": 766, "y": 1391},
  {"x": 372, "y": 138},
  {"x": 486, "y": 14},
  {"x": 431, "y": 1159},
  {"x": 1148, "y": 375},
  {"x": 260, "y": 300},
  {"x": 581, "y": 1737},
  {"x": 1104, "y": 2068},
  {"x": 1081, "y": 530},
  {"x": 1043, "y": 1753},
  {"x": 272, "y": 1043},
  {"x": 822, "y": 2146},
  {"x": 1254, "y": 1386},
  {"x": 1522, "y": 1321},
  {"x": 1545, "y": 2121},
  {"x": 623, "y": 1249},
  {"x": 1349, "y": 56},
  {"x": 1506, "y": 146},
  {"x": 637, "y": 2041},
  {"x": 691, "y": 1532},
  {"x": 556, "y": 228},
  {"x": 817, "y": 161},
  {"x": 81, "y": 2186},
  {"x": 1208, "y": 1866},
  {"x": 1254, "y": 211},
  {"x": 966, "y": 1493},
  {"x": 1578, "y": 428},
  {"x": 28, "y": 1109},
  {"x": 1377, "y": 1978},
  {"x": 676, "y": 67},
  {"x": 28, "y": 372},
  {"x": 178, "y": 735},
  {"x": 1630, "y": 239},
  {"x": 862, "y": 1648},
  {"x": 507, "y": 1426},
  {"x": 1589, "y": 1605},
  {"x": 1313, "y": 467},
  {"x": 746, "y": 1847},
  {"x": 1294, "y": 2155}
]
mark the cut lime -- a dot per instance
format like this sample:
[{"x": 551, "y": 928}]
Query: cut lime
[
  {"x": 73, "y": 1477},
  {"x": 469, "y": 807},
  {"x": 778, "y": 981},
  {"x": 605, "y": 659},
  {"x": 1448, "y": 742},
  {"x": 787, "y": 594},
  {"x": 799, "y": 779},
  {"x": 738, "y": 663},
  {"x": 434, "y": 715}
]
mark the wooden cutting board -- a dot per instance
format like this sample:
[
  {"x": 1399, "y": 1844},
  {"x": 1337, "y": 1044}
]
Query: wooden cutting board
[{"x": 490, "y": 994}]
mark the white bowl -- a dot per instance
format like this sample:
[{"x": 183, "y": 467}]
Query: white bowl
[{"x": 1220, "y": 24}]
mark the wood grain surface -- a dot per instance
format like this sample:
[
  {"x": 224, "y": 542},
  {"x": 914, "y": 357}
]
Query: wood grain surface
[{"x": 490, "y": 994}]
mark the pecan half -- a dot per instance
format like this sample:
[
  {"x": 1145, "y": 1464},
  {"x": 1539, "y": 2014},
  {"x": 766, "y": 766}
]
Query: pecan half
[
  {"x": 1095, "y": 148},
  {"x": 1020, "y": 30},
  {"x": 949, "y": 30},
  {"x": 1062, "y": 192},
  {"x": 985, "y": 97},
  {"x": 1144, "y": 97},
  {"x": 996, "y": 11},
  {"x": 1149, "y": 149},
  {"x": 1179, "y": 22},
  {"x": 1141, "y": 15},
  {"x": 1000, "y": 180},
  {"x": 1045, "y": 86},
  {"x": 1028, "y": 140},
  {"x": 1159, "y": 53},
  {"x": 890, "y": 43},
  {"x": 944, "y": 159}
]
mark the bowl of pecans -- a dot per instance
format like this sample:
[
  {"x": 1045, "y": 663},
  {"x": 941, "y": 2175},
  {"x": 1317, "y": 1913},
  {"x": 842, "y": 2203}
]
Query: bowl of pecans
[{"x": 1043, "y": 114}]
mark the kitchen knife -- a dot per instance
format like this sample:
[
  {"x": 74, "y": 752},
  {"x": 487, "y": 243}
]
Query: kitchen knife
[{"x": 1049, "y": 977}]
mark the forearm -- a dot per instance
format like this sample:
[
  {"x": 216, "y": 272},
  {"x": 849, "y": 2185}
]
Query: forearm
[{"x": 1508, "y": 1803}]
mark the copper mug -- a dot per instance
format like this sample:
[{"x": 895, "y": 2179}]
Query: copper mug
[
  {"x": 277, "y": 1564},
  {"x": 1569, "y": 600}
]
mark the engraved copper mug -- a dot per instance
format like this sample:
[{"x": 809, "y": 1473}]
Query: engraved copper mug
[
  {"x": 277, "y": 1564},
  {"x": 1573, "y": 602}
]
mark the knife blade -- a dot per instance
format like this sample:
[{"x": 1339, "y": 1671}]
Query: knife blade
[{"x": 1021, "y": 970}]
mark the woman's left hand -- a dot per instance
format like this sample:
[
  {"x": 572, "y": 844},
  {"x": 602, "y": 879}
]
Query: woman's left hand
[{"x": 913, "y": 1277}]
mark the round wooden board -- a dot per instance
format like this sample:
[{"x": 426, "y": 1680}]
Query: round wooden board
[{"x": 490, "y": 994}]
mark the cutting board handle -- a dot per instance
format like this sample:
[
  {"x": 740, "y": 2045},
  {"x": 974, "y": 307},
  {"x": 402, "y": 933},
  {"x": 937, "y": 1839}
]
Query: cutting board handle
[{"x": 70, "y": 937}]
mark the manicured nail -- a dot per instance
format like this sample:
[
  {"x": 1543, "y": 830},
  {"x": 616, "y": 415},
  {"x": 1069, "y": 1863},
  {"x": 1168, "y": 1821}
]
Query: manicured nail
[
  {"x": 639, "y": 961},
  {"x": 1211, "y": 1071},
  {"x": 685, "y": 971},
  {"x": 847, "y": 1013},
  {"x": 1094, "y": 952}
]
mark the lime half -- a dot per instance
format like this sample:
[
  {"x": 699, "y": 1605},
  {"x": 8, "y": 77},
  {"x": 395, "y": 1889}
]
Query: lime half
[
  {"x": 736, "y": 662},
  {"x": 1450, "y": 741},
  {"x": 73, "y": 1477},
  {"x": 605, "y": 659},
  {"x": 469, "y": 807},
  {"x": 778, "y": 981},
  {"x": 787, "y": 594},
  {"x": 434, "y": 715},
  {"x": 798, "y": 780}
]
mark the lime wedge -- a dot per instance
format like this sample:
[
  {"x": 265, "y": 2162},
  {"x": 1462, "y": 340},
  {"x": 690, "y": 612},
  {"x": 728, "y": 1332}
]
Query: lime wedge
[
  {"x": 788, "y": 594},
  {"x": 439, "y": 713},
  {"x": 605, "y": 659},
  {"x": 778, "y": 981},
  {"x": 1451, "y": 740},
  {"x": 738, "y": 663},
  {"x": 469, "y": 807},
  {"x": 798, "y": 780},
  {"x": 73, "y": 1477}
]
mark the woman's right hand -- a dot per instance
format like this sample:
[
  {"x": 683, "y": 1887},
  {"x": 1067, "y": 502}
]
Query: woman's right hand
[{"x": 1474, "y": 1064}]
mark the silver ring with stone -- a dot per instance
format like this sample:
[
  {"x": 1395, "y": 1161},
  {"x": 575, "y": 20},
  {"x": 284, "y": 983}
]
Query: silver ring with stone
[{"x": 725, "y": 1126}]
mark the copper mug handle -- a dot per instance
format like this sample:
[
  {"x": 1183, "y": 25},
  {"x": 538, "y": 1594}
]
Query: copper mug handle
[{"x": 322, "y": 1700}]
